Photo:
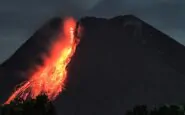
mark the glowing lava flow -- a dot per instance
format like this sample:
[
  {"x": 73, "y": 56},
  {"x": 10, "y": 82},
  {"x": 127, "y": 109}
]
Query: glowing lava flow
[{"x": 50, "y": 78}]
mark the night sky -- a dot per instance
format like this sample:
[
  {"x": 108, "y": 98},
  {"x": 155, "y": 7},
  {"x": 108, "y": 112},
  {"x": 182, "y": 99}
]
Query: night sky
[{"x": 20, "y": 18}]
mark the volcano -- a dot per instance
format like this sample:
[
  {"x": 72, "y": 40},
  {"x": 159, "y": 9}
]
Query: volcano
[
  {"x": 29, "y": 56},
  {"x": 119, "y": 62}
]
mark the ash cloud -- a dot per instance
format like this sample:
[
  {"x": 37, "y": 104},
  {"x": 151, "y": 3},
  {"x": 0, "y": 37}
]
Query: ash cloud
[
  {"x": 165, "y": 15},
  {"x": 20, "y": 18},
  {"x": 30, "y": 55}
]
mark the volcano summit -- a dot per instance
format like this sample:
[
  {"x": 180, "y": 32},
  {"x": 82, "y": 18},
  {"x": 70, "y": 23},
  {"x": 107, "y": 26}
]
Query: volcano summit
[{"x": 119, "y": 62}]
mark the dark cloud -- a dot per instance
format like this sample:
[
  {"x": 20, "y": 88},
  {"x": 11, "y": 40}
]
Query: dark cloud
[
  {"x": 20, "y": 19},
  {"x": 166, "y": 15}
]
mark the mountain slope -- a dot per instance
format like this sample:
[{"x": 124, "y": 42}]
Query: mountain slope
[
  {"x": 27, "y": 58},
  {"x": 119, "y": 62}
]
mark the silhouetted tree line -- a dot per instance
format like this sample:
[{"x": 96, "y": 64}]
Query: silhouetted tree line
[
  {"x": 39, "y": 106},
  {"x": 163, "y": 110},
  {"x": 42, "y": 106}
]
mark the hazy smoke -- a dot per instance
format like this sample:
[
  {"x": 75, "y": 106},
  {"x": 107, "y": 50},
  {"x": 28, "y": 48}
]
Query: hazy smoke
[
  {"x": 85, "y": 4},
  {"x": 30, "y": 55}
]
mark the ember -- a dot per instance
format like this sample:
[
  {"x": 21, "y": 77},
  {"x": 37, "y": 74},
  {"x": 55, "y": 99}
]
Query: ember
[{"x": 50, "y": 78}]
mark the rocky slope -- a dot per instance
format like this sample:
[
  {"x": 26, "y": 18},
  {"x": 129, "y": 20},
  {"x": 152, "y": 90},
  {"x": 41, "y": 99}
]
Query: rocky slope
[{"x": 119, "y": 62}]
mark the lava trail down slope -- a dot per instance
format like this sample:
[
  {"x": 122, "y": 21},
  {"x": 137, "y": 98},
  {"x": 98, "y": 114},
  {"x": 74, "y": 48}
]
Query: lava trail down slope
[
  {"x": 49, "y": 78},
  {"x": 119, "y": 62}
]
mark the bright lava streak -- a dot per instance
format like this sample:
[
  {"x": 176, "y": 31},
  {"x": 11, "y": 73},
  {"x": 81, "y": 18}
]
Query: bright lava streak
[{"x": 50, "y": 78}]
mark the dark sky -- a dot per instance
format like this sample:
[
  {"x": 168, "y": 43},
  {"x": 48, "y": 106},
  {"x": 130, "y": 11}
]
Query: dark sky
[{"x": 20, "y": 18}]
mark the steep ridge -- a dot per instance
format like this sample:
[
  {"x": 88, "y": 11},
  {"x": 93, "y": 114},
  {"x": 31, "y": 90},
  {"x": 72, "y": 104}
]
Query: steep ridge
[
  {"x": 119, "y": 62},
  {"x": 27, "y": 58}
]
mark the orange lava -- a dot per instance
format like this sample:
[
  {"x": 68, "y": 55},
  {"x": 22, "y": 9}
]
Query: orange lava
[{"x": 50, "y": 78}]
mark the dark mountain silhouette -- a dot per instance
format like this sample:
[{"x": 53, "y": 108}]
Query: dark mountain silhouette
[
  {"x": 32, "y": 50},
  {"x": 28, "y": 57},
  {"x": 119, "y": 62}
]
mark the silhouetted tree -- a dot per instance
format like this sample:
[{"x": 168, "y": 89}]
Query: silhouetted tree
[
  {"x": 129, "y": 112},
  {"x": 39, "y": 106},
  {"x": 154, "y": 111},
  {"x": 140, "y": 110},
  {"x": 163, "y": 110}
]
